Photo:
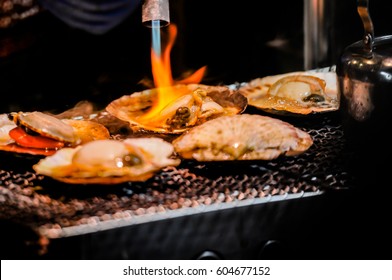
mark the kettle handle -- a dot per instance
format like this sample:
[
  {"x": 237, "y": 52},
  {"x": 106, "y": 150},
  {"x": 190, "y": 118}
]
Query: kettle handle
[{"x": 368, "y": 38}]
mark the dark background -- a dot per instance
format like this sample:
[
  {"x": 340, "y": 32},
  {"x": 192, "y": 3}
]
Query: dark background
[{"x": 46, "y": 65}]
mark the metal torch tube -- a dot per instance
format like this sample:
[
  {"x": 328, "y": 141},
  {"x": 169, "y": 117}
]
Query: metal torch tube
[{"x": 155, "y": 12}]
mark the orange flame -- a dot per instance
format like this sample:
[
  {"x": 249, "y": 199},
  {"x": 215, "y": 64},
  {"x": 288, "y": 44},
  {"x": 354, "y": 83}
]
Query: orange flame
[{"x": 162, "y": 75}]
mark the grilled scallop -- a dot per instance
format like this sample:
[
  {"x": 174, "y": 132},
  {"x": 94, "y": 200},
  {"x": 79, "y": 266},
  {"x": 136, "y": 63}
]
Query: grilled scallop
[
  {"x": 87, "y": 131},
  {"x": 108, "y": 161},
  {"x": 42, "y": 134},
  {"x": 242, "y": 137},
  {"x": 187, "y": 106},
  {"x": 45, "y": 125},
  {"x": 298, "y": 93},
  {"x": 5, "y": 126}
]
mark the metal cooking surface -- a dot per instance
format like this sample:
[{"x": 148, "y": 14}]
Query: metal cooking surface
[{"x": 47, "y": 204}]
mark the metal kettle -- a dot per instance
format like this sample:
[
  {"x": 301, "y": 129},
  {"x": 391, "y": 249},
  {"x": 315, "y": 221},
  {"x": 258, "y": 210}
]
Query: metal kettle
[
  {"x": 364, "y": 73},
  {"x": 365, "y": 77}
]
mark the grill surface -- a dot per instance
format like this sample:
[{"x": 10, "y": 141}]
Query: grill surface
[{"x": 50, "y": 206}]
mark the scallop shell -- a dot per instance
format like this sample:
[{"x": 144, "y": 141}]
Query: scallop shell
[
  {"x": 46, "y": 125},
  {"x": 242, "y": 137},
  {"x": 72, "y": 131},
  {"x": 5, "y": 126},
  {"x": 294, "y": 93},
  {"x": 216, "y": 101},
  {"x": 108, "y": 161},
  {"x": 39, "y": 122},
  {"x": 87, "y": 131}
]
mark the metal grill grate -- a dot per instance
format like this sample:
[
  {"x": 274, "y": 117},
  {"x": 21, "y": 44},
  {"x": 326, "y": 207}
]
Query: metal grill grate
[{"x": 52, "y": 206}]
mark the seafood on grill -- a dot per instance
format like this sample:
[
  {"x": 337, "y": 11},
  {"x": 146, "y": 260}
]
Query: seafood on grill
[
  {"x": 242, "y": 137},
  {"x": 39, "y": 133},
  {"x": 87, "y": 130},
  {"x": 109, "y": 161},
  {"x": 298, "y": 93},
  {"x": 43, "y": 125},
  {"x": 194, "y": 104},
  {"x": 5, "y": 126}
]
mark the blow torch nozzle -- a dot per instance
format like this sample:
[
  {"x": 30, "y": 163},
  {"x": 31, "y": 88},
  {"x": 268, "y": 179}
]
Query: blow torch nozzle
[{"x": 155, "y": 13}]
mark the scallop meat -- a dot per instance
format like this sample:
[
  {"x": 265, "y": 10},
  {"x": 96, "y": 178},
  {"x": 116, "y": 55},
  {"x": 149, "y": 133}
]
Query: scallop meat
[
  {"x": 188, "y": 106},
  {"x": 109, "y": 161},
  {"x": 294, "y": 93}
]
